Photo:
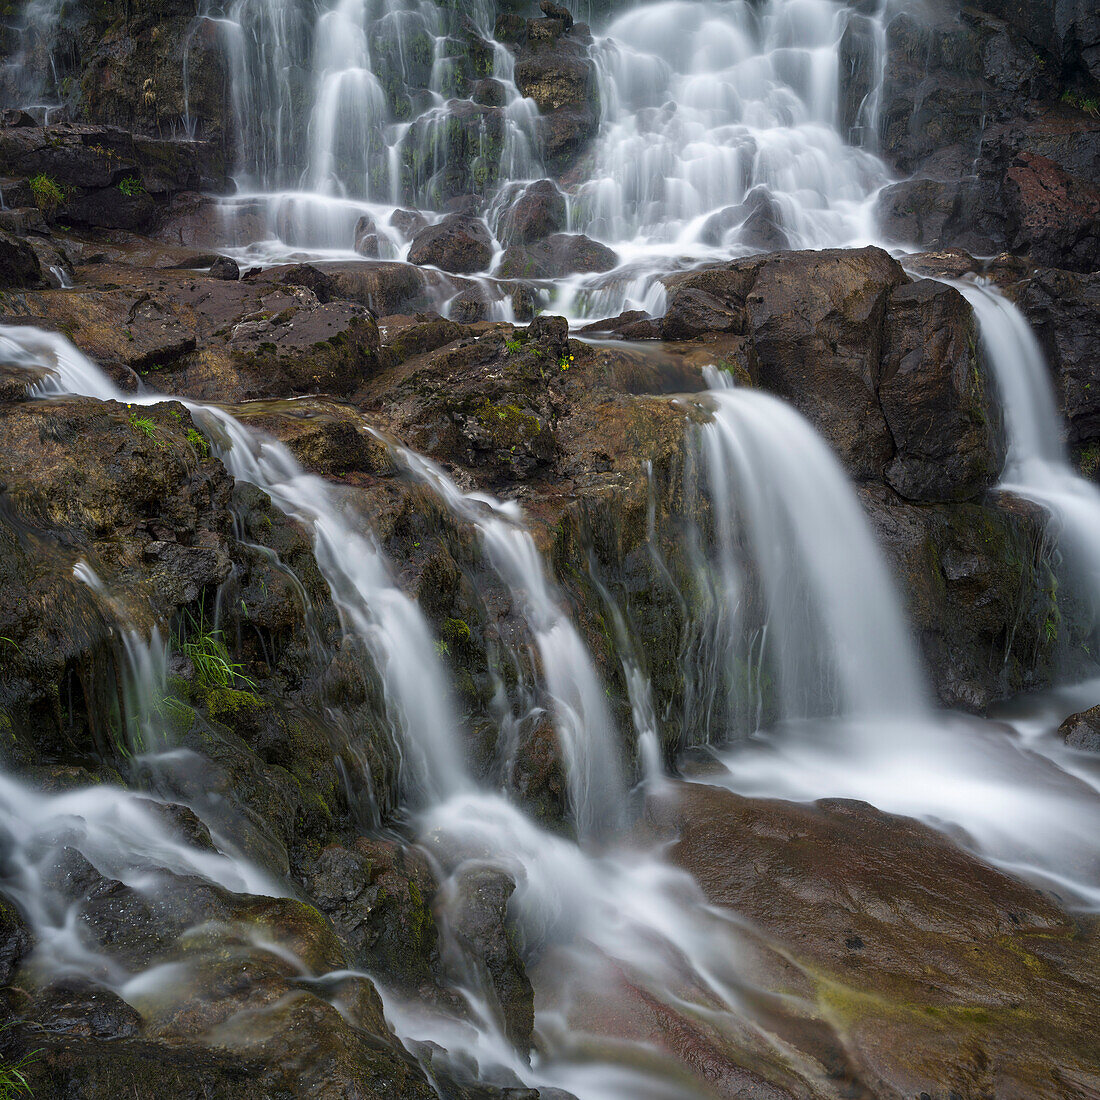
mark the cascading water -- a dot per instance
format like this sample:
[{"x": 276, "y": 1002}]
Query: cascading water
[
  {"x": 832, "y": 639},
  {"x": 351, "y": 109},
  {"x": 854, "y": 721},
  {"x": 705, "y": 102},
  {"x": 582, "y": 719},
  {"x": 1037, "y": 465}
]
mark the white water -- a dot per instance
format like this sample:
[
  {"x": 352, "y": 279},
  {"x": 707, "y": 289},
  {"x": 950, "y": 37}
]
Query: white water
[
  {"x": 582, "y": 720},
  {"x": 833, "y": 639},
  {"x": 1037, "y": 466},
  {"x": 373, "y": 607},
  {"x": 854, "y": 721}
]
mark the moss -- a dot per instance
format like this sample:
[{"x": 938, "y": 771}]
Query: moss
[
  {"x": 48, "y": 194},
  {"x": 228, "y": 703}
]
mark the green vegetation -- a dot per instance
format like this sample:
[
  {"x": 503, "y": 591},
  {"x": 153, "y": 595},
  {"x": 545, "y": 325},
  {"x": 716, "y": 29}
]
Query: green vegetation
[
  {"x": 198, "y": 441},
  {"x": 565, "y": 362},
  {"x": 204, "y": 646},
  {"x": 13, "y": 1076},
  {"x": 48, "y": 194},
  {"x": 513, "y": 346},
  {"x": 1089, "y": 461},
  {"x": 144, "y": 425},
  {"x": 131, "y": 186},
  {"x": 1089, "y": 104}
]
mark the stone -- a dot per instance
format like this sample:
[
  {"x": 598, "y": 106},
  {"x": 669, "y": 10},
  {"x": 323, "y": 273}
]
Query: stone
[
  {"x": 1082, "y": 730},
  {"x": 225, "y": 268},
  {"x": 557, "y": 256},
  {"x": 458, "y": 244},
  {"x": 536, "y": 213},
  {"x": 940, "y": 406},
  {"x": 19, "y": 265},
  {"x": 478, "y": 920},
  {"x": 368, "y": 241}
]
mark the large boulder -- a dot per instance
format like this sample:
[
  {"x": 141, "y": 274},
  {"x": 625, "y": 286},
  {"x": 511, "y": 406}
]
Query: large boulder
[
  {"x": 939, "y": 405},
  {"x": 557, "y": 256},
  {"x": 536, "y": 212},
  {"x": 458, "y": 244},
  {"x": 553, "y": 69}
]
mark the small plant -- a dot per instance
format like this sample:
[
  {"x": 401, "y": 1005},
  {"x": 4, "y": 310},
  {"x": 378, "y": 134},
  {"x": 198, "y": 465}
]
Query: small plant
[
  {"x": 144, "y": 425},
  {"x": 131, "y": 186},
  {"x": 198, "y": 441},
  {"x": 1089, "y": 104},
  {"x": 205, "y": 648},
  {"x": 513, "y": 346},
  {"x": 565, "y": 362},
  {"x": 13, "y": 1075},
  {"x": 48, "y": 194}
]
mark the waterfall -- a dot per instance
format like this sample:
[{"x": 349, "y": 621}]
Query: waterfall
[
  {"x": 708, "y": 103},
  {"x": 582, "y": 719},
  {"x": 832, "y": 634},
  {"x": 1037, "y": 466},
  {"x": 373, "y": 607}
]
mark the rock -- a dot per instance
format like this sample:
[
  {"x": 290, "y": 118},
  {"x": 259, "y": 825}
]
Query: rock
[
  {"x": 458, "y": 244},
  {"x": 490, "y": 93},
  {"x": 80, "y": 1009},
  {"x": 378, "y": 895},
  {"x": 470, "y": 306},
  {"x": 910, "y": 932},
  {"x": 224, "y": 268},
  {"x": 536, "y": 213},
  {"x": 692, "y": 311},
  {"x": 856, "y": 75},
  {"x": 557, "y": 256},
  {"x": 940, "y": 406},
  {"x": 1082, "y": 730},
  {"x": 408, "y": 222},
  {"x": 386, "y": 288},
  {"x": 19, "y": 265},
  {"x": 558, "y": 75},
  {"x": 556, "y": 11},
  {"x": 368, "y": 241},
  {"x": 815, "y": 320},
  {"x": 1062, "y": 308},
  {"x": 16, "y": 940},
  {"x": 478, "y": 921},
  {"x": 1058, "y": 215}
]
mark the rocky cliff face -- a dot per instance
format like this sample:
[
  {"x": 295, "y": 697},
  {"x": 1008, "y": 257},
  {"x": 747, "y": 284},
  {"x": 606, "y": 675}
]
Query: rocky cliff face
[{"x": 125, "y": 541}]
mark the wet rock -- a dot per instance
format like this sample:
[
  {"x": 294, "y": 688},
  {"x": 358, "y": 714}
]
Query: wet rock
[
  {"x": 556, "y": 11},
  {"x": 80, "y": 1009},
  {"x": 556, "y": 72},
  {"x": 1062, "y": 308},
  {"x": 19, "y": 265},
  {"x": 478, "y": 920},
  {"x": 694, "y": 312},
  {"x": 539, "y": 774},
  {"x": 378, "y": 896},
  {"x": 106, "y": 177},
  {"x": 1082, "y": 730},
  {"x": 225, "y": 268},
  {"x": 940, "y": 407},
  {"x": 1058, "y": 215},
  {"x": 490, "y": 93},
  {"x": 556, "y": 257},
  {"x": 912, "y": 935},
  {"x": 368, "y": 241},
  {"x": 536, "y": 213},
  {"x": 458, "y": 244},
  {"x": 408, "y": 222},
  {"x": 15, "y": 939},
  {"x": 470, "y": 306},
  {"x": 386, "y": 288}
]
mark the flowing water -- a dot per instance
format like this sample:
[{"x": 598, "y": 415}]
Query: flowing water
[{"x": 725, "y": 127}]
